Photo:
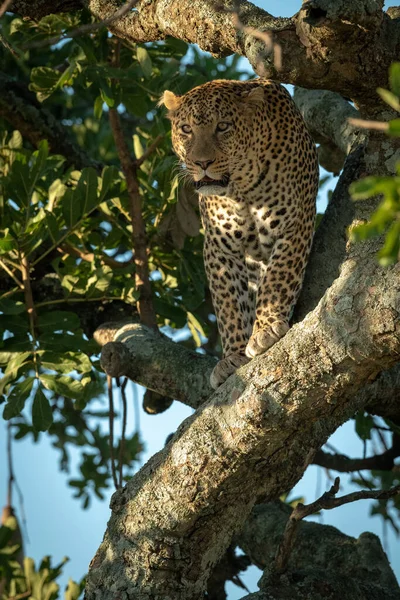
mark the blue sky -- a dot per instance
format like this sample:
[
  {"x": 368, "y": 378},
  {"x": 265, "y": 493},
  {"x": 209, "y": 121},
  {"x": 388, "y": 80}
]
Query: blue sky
[{"x": 58, "y": 526}]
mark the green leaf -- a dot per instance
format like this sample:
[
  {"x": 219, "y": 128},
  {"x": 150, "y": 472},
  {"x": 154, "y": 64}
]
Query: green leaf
[
  {"x": 168, "y": 311},
  {"x": 7, "y": 244},
  {"x": 371, "y": 186},
  {"x": 144, "y": 61},
  {"x": 86, "y": 191},
  {"x": 389, "y": 98},
  {"x": 195, "y": 328},
  {"x": 66, "y": 362},
  {"x": 58, "y": 320},
  {"x": 71, "y": 210},
  {"x": 17, "y": 398},
  {"x": 63, "y": 386},
  {"x": 109, "y": 184},
  {"x": 11, "y": 307},
  {"x": 99, "y": 282},
  {"x": 390, "y": 253},
  {"x": 394, "y": 78},
  {"x": 137, "y": 146},
  {"x": 105, "y": 94},
  {"x": 43, "y": 81},
  {"x": 98, "y": 107},
  {"x": 56, "y": 191},
  {"x": 364, "y": 424},
  {"x": 73, "y": 590},
  {"x": 42, "y": 415},
  {"x": 394, "y": 127}
]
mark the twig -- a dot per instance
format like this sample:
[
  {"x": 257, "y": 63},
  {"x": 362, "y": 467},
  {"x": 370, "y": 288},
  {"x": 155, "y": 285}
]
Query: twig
[
  {"x": 123, "y": 432},
  {"x": 30, "y": 306},
  {"x": 364, "y": 124},
  {"x": 111, "y": 436},
  {"x": 149, "y": 151},
  {"x": 327, "y": 501},
  {"x": 263, "y": 36},
  {"x": 11, "y": 477},
  {"x": 87, "y": 28},
  {"x": 4, "y": 7},
  {"x": 89, "y": 257},
  {"x": 11, "y": 274},
  {"x": 8, "y": 46}
]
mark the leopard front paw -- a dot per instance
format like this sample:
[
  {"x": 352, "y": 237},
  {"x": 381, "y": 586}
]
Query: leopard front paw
[
  {"x": 225, "y": 368},
  {"x": 264, "y": 338}
]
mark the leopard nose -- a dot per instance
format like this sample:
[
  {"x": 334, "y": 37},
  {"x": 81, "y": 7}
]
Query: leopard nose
[{"x": 204, "y": 164}]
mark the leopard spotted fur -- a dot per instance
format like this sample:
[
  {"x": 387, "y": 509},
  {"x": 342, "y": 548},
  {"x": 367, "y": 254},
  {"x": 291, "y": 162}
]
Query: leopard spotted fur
[{"x": 254, "y": 164}]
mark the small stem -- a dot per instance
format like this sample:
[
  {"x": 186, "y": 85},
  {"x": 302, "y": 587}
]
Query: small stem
[
  {"x": 111, "y": 436},
  {"x": 11, "y": 478},
  {"x": 11, "y": 274},
  {"x": 73, "y": 300},
  {"x": 30, "y": 306},
  {"x": 89, "y": 257},
  {"x": 149, "y": 151},
  {"x": 123, "y": 432},
  {"x": 4, "y": 7}
]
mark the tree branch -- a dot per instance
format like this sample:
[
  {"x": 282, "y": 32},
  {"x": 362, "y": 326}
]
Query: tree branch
[
  {"x": 317, "y": 546},
  {"x": 142, "y": 279},
  {"x": 20, "y": 108},
  {"x": 327, "y": 501},
  {"x": 324, "y": 46},
  {"x": 156, "y": 362},
  {"x": 265, "y": 418},
  {"x": 327, "y": 116},
  {"x": 344, "y": 464},
  {"x": 338, "y": 46}
]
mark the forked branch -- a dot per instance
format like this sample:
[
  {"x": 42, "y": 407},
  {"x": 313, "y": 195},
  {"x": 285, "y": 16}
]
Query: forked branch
[{"x": 327, "y": 501}]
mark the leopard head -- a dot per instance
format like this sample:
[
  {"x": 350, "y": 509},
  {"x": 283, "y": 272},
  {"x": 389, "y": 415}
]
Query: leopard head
[{"x": 212, "y": 132}]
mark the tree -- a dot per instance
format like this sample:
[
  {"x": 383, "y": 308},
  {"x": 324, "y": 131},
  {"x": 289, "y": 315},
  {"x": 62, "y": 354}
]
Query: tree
[{"x": 75, "y": 204}]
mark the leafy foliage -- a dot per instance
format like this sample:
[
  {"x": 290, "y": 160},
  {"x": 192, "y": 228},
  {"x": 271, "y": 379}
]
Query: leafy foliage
[
  {"x": 386, "y": 219},
  {"x": 66, "y": 250},
  {"x": 20, "y": 578}
]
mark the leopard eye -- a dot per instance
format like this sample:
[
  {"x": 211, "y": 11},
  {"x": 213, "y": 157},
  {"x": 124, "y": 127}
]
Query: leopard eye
[
  {"x": 223, "y": 126},
  {"x": 186, "y": 129}
]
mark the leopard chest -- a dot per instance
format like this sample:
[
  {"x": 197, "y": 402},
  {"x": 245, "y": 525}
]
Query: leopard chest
[{"x": 238, "y": 228}]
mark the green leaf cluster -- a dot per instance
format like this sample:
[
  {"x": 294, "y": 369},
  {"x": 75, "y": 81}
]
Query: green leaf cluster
[
  {"x": 386, "y": 218},
  {"x": 70, "y": 225}
]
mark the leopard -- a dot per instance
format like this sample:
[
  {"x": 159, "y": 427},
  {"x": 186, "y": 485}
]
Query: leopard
[{"x": 248, "y": 152}]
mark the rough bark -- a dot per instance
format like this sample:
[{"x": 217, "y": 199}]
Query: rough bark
[
  {"x": 270, "y": 417},
  {"x": 327, "y": 116},
  {"x": 323, "y": 557},
  {"x": 345, "y": 47},
  {"x": 156, "y": 362}
]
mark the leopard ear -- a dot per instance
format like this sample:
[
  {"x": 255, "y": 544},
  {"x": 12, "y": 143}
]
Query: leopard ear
[
  {"x": 255, "y": 96},
  {"x": 170, "y": 100}
]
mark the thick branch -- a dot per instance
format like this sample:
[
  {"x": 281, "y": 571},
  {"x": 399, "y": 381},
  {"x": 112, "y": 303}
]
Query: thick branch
[
  {"x": 269, "y": 417},
  {"x": 156, "y": 362},
  {"x": 346, "y": 47},
  {"x": 19, "y": 107},
  {"x": 327, "y": 115},
  {"x": 342, "y": 47},
  {"x": 319, "y": 549}
]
